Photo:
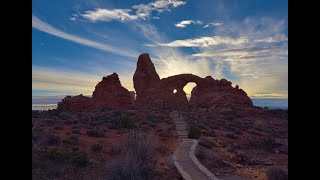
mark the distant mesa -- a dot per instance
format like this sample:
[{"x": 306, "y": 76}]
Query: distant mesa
[{"x": 153, "y": 92}]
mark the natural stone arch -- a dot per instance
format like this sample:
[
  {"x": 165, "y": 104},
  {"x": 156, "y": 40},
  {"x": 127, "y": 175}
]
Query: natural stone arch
[
  {"x": 153, "y": 92},
  {"x": 168, "y": 93}
]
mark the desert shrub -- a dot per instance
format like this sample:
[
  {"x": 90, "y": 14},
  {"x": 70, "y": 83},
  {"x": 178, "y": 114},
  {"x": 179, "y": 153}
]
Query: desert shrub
[
  {"x": 75, "y": 122},
  {"x": 240, "y": 157},
  {"x": 237, "y": 131},
  {"x": 73, "y": 157},
  {"x": 151, "y": 118},
  {"x": 276, "y": 173},
  {"x": 162, "y": 150},
  {"x": 123, "y": 122},
  {"x": 75, "y": 131},
  {"x": 200, "y": 153},
  {"x": 64, "y": 115},
  {"x": 153, "y": 125},
  {"x": 96, "y": 147},
  {"x": 172, "y": 128},
  {"x": 93, "y": 123},
  {"x": 95, "y": 132},
  {"x": 139, "y": 161},
  {"x": 105, "y": 109},
  {"x": 53, "y": 139},
  {"x": 79, "y": 158},
  {"x": 164, "y": 134},
  {"x": 74, "y": 137},
  {"x": 69, "y": 142},
  {"x": 55, "y": 154},
  {"x": 200, "y": 126},
  {"x": 260, "y": 126},
  {"x": 268, "y": 144},
  {"x": 218, "y": 162},
  {"x": 159, "y": 130},
  {"x": 58, "y": 127},
  {"x": 231, "y": 135},
  {"x": 115, "y": 150},
  {"x": 68, "y": 122},
  {"x": 206, "y": 143},
  {"x": 254, "y": 161},
  {"x": 238, "y": 113},
  {"x": 125, "y": 168},
  {"x": 194, "y": 132}
]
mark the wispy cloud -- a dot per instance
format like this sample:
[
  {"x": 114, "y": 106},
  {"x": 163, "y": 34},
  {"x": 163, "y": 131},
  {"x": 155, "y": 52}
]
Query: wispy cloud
[
  {"x": 65, "y": 80},
  {"x": 185, "y": 23},
  {"x": 252, "y": 54},
  {"x": 204, "y": 42},
  {"x": 213, "y": 24},
  {"x": 142, "y": 11},
  {"x": 170, "y": 61},
  {"x": 47, "y": 28},
  {"x": 109, "y": 15}
]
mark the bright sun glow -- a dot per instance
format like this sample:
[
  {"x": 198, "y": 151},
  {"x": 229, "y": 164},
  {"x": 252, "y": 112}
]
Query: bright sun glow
[{"x": 188, "y": 88}]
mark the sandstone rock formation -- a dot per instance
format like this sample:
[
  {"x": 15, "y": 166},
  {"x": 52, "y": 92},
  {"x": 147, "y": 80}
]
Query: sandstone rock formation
[
  {"x": 108, "y": 93},
  {"x": 74, "y": 103},
  {"x": 145, "y": 76},
  {"x": 153, "y": 92},
  {"x": 218, "y": 93}
]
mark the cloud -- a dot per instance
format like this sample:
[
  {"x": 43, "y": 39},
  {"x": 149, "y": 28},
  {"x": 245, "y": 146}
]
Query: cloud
[
  {"x": 213, "y": 24},
  {"x": 63, "y": 81},
  {"x": 254, "y": 53},
  {"x": 47, "y": 28},
  {"x": 204, "y": 42},
  {"x": 170, "y": 61},
  {"x": 44, "y": 106},
  {"x": 109, "y": 15},
  {"x": 185, "y": 23},
  {"x": 142, "y": 11}
]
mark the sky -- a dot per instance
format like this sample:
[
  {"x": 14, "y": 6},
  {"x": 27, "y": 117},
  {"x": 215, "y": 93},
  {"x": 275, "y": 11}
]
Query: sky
[{"x": 75, "y": 43}]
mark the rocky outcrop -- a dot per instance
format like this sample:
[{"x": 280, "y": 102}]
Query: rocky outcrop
[
  {"x": 145, "y": 76},
  {"x": 108, "y": 93},
  {"x": 168, "y": 92},
  {"x": 153, "y": 92},
  {"x": 74, "y": 103},
  {"x": 218, "y": 93}
]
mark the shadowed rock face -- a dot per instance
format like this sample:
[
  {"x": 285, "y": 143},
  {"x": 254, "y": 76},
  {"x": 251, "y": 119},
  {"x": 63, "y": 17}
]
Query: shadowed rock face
[
  {"x": 145, "y": 75},
  {"x": 155, "y": 93},
  {"x": 74, "y": 103},
  {"x": 107, "y": 93},
  {"x": 218, "y": 93}
]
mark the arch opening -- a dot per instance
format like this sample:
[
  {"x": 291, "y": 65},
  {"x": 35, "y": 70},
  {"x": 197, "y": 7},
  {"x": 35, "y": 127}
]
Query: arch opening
[{"x": 188, "y": 88}]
